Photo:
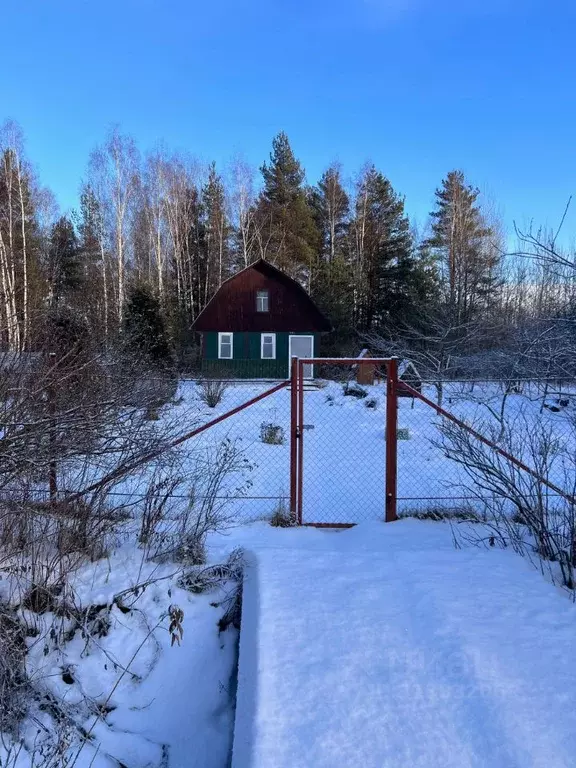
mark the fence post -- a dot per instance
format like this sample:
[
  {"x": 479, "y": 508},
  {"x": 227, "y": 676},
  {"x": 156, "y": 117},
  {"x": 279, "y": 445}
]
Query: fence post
[
  {"x": 391, "y": 439},
  {"x": 300, "y": 437},
  {"x": 293, "y": 437}
]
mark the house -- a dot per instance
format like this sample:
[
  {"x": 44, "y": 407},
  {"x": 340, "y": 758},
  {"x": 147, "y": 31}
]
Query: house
[{"x": 256, "y": 322}]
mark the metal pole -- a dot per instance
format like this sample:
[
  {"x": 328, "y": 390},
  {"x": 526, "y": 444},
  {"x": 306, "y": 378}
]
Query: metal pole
[
  {"x": 293, "y": 437},
  {"x": 391, "y": 439},
  {"x": 300, "y": 436}
]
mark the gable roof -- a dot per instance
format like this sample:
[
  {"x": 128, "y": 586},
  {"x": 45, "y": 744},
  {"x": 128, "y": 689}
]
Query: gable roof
[{"x": 233, "y": 306}]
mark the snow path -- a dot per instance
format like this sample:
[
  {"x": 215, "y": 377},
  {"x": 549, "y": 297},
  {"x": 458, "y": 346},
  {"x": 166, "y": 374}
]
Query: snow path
[{"x": 385, "y": 647}]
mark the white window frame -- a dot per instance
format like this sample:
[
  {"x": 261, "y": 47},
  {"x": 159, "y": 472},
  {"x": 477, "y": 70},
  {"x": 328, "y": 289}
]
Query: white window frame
[
  {"x": 273, "y": 337},
  {"x": 220, "y": 336},
  {"x": 262, "y": 298}
]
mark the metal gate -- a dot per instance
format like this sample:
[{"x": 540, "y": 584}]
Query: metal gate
[{"x": 342, "y": 473}]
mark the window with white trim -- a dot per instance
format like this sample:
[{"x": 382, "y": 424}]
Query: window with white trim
[
  {"x": 262, "y": 301},
  {"x": 268, "y": 346},
  {"x": 225, "y": 345}
]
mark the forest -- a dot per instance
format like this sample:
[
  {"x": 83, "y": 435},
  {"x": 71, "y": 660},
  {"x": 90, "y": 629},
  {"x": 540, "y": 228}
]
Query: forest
[{"x": 158, "y": 232}]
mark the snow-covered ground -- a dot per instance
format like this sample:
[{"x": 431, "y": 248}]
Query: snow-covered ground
[
  {"x": 344, "y": 448},
  {"x": 377, "y": 646},
  {"x": 437, "y": 656},
  {"x": 384, "y": 647},
  {"x": 165, "y": 705}
]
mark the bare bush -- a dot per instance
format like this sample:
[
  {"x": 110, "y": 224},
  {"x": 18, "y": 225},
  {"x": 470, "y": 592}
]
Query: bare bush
[
  {"x": 525, "y": 509},
  {"x": 281, "y": 516},
  {"x": 15, "y": 687},
  {"x": 211, "y": 391},
  {"x": 156, "y": 505},
  {"x": 220, "y": 475}
]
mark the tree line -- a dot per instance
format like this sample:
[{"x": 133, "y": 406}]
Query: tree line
[{"x": 164, "y": 229}]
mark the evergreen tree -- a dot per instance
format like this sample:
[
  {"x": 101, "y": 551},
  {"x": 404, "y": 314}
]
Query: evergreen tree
[
  {"x": 94, "y": 263},
  {"x": 146, "y": 337},
  {"x": 384, "y": 266},
  {"x": 332, "y": 283},
  {"x": 461, "y": 241},
  {"x": 65, "y": 273},
  {"x": 216, "y": 233},
  {"x": 285, "y": 225}
]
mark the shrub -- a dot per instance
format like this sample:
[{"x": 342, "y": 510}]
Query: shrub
[
  {"x": 351, "y": 389},
  {"x": 371, "y": 402},
  {"x": 211, "y": 391},
  {"x": 271, "y": 434},
  {"x": 282, "y": 517}
]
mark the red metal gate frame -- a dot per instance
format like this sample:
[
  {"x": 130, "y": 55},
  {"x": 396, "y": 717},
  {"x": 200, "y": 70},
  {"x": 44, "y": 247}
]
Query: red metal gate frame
[{"x": 297, "y": 434}]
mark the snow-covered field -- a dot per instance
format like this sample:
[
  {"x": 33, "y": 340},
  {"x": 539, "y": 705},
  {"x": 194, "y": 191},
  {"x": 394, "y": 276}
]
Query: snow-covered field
[
  {"x": 378, "y": 646},
  {"x": 344, "y": 448}
]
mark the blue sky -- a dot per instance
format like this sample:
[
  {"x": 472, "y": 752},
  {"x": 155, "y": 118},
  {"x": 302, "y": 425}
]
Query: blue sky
[{"x": 417, "y": 86}]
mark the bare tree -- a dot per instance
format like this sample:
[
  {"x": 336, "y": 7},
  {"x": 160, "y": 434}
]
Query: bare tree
[
  {"x": 114, "y": 170},
  {"x": 440, "y": 348},
  {"x": 241, "y": 202},
  {"x": 20, "y": 197}
]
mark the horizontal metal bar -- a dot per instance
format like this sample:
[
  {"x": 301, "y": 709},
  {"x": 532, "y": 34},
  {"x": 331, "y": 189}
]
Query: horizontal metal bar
[
  {"x": 480, "y": 437},
  {"x": 344, "y": 360}
]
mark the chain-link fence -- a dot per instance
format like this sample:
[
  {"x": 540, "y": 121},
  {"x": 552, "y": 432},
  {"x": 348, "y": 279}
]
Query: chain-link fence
[
  {"x": 344, "y": 448},
  {"x": 438, "y": 447},
  {"x": 344, "y": 462},
  {"x": 471, "y": 446}
]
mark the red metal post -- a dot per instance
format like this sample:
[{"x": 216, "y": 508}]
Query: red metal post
[
  {"x": 391, "y": 439},
  {"x": 293, "y": 437},
  {"x": 300, "y": 436}
]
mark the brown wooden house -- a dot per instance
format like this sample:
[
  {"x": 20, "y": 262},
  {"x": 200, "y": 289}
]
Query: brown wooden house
[{"x": 256, "y": 322}]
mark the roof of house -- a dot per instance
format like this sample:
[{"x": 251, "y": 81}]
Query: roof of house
[{"x": 233, "y": 306}]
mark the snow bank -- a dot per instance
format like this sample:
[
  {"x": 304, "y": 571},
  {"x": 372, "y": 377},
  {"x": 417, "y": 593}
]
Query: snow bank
[{"x": 385, "y": 647}]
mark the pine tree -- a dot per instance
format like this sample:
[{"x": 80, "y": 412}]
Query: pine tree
[
  {"x": 145, "y": 333},
  {"x": 461, "y": 241},
  {"x": 382, "y": 253},
  {"x": 95, "y": 263},
  {"x": 332, "y": 284},
  {"x": 216, "y": 233},
  {"x": 65, "y": 273},
  {"x": 286, "y": 229}
]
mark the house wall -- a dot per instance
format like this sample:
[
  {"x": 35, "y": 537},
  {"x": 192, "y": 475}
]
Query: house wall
[{"x": 247, "y": 362}]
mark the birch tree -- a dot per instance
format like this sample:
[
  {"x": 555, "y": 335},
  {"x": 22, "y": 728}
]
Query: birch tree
[
  {"x": 19, "y": 238},
  {"x": 114, "y": 169}
]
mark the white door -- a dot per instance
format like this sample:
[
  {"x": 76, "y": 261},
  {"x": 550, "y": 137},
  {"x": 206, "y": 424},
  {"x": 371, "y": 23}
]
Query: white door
[{"x": 301, "y": 346}]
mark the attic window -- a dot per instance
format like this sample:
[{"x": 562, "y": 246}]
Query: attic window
[{"x": 262, "y": 301}]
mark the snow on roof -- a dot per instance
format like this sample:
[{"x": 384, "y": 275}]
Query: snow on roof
[{"x": 407, "y": 365}]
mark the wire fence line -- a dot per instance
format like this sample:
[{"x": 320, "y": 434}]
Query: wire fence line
[{"x": 344, "y": 449}]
